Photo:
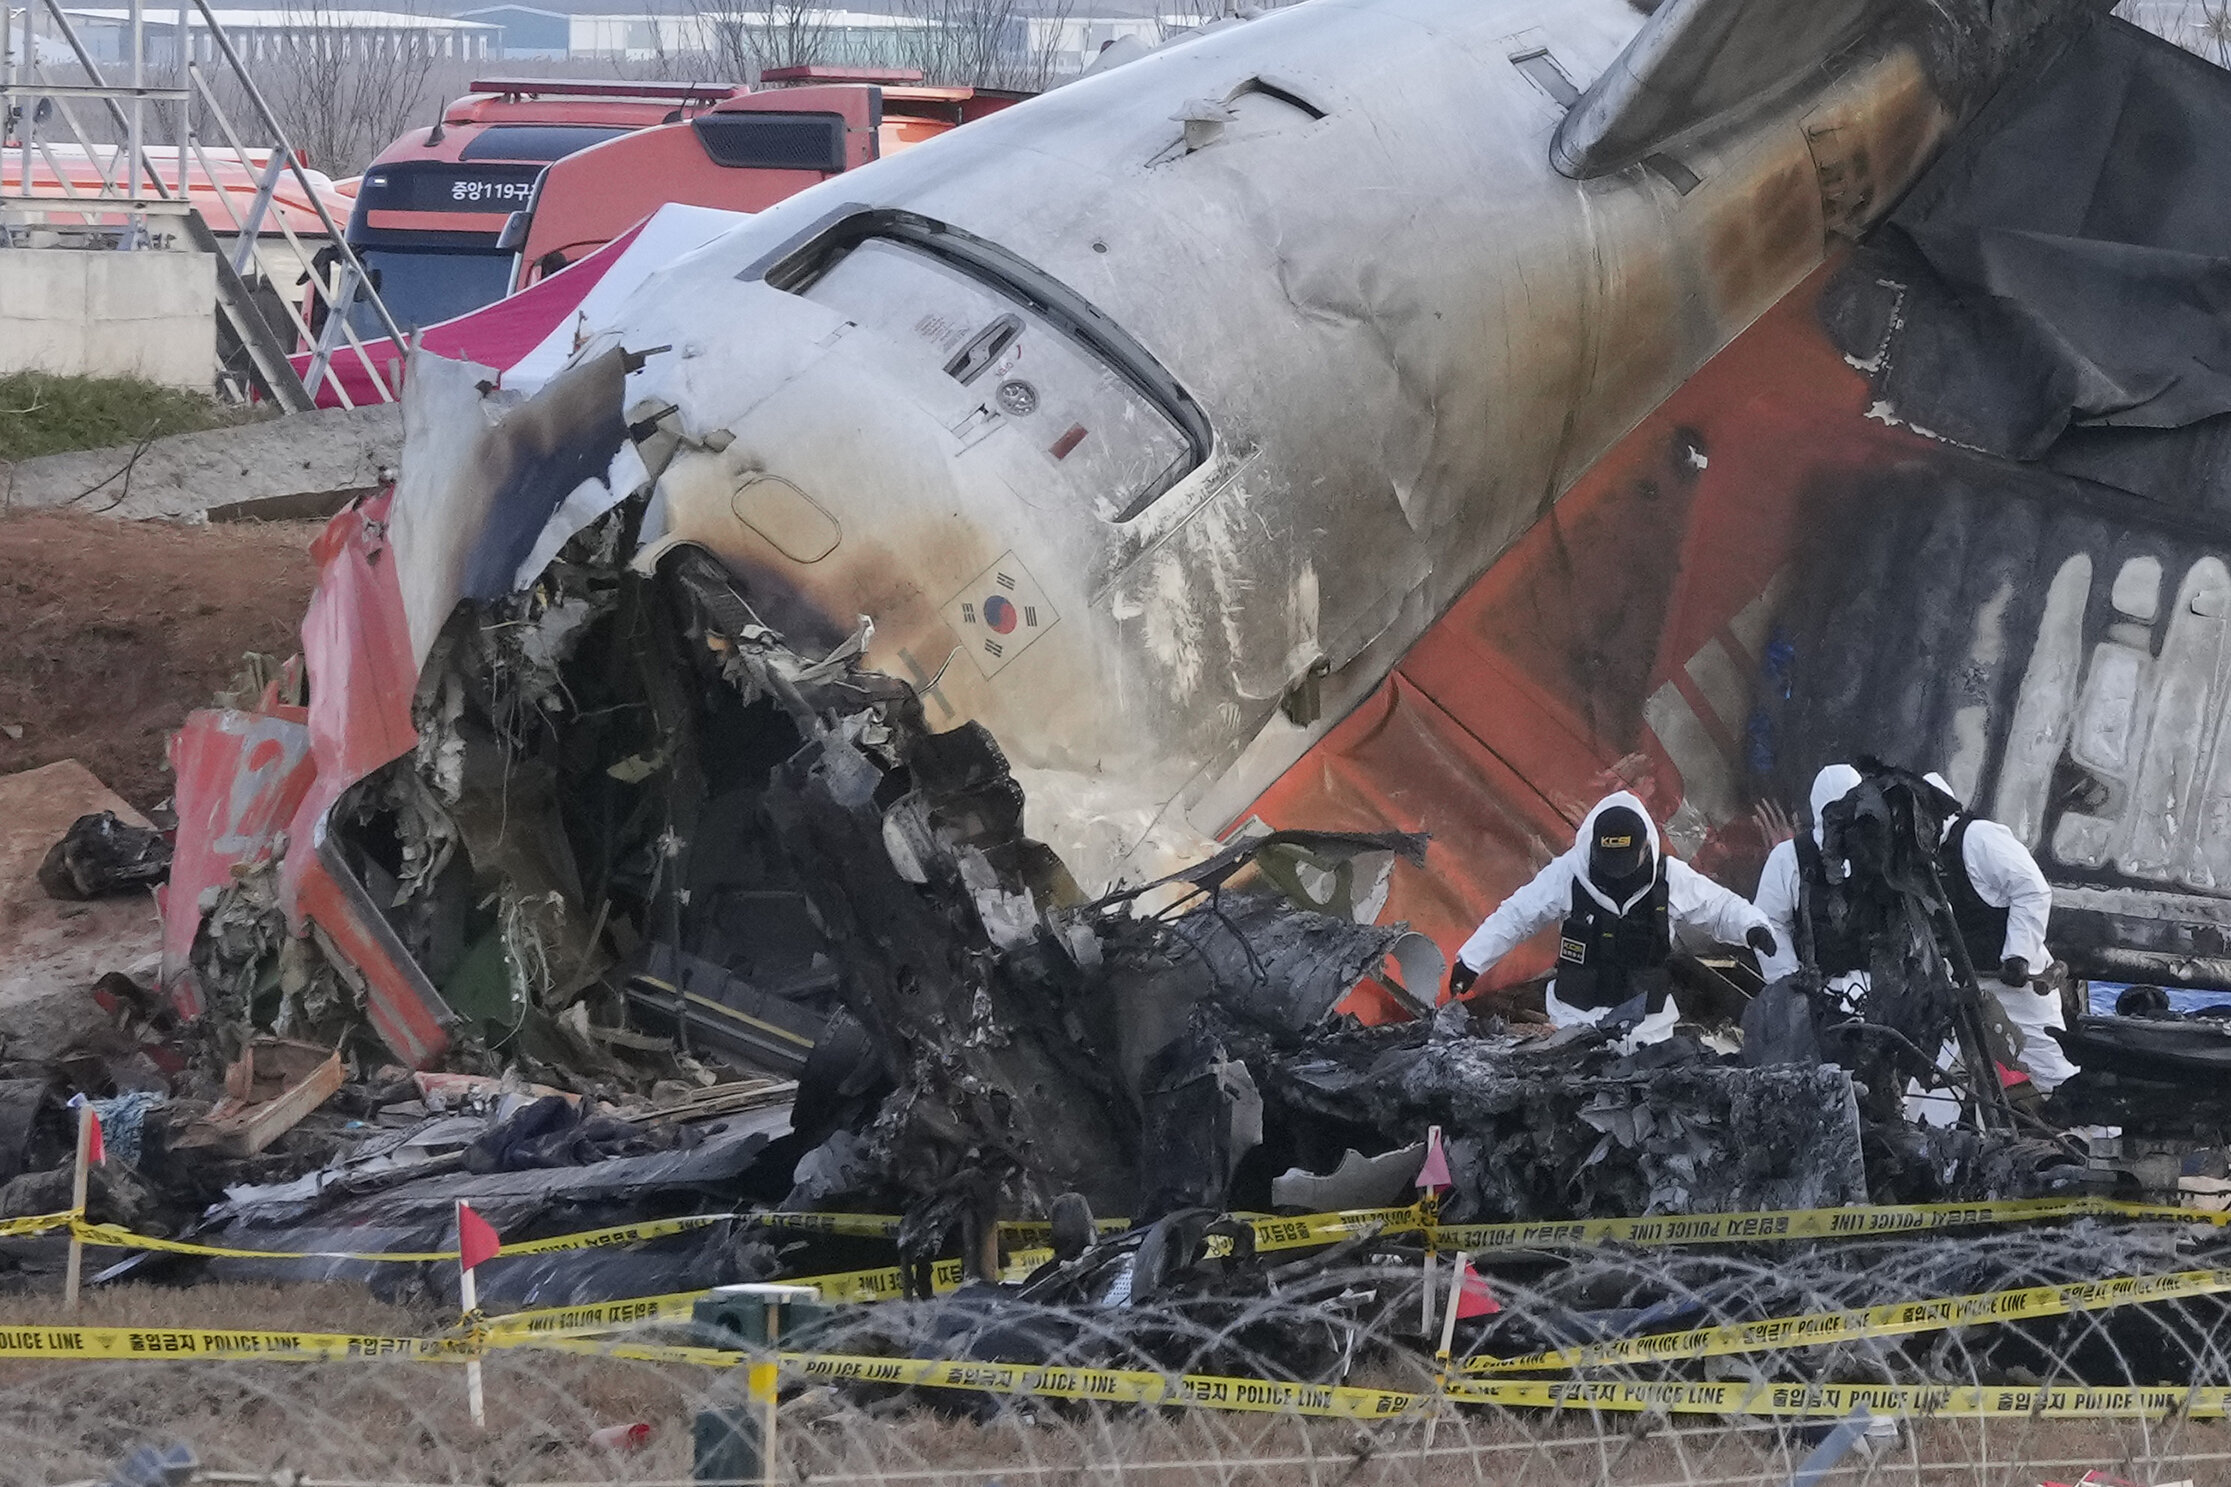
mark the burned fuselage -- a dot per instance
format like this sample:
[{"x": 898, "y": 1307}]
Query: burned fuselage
[
  {"x": 1151, "y": 421},
  {"x": 1136, "y": 432}
]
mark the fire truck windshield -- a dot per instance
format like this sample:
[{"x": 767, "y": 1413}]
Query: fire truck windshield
[{"x": 424, "y": 286}]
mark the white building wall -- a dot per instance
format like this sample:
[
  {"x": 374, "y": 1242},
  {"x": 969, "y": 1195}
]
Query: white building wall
[{"x": 82, "y": 312}]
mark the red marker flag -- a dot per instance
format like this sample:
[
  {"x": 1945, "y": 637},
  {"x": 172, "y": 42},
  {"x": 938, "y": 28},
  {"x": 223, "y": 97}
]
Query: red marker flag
[
  {"x": 96, "y": 1152},
  {"x": 1433, "y": 1174},
  {"x": 1475, "y": 1299},
  {"x": 476, "y": 1238}
]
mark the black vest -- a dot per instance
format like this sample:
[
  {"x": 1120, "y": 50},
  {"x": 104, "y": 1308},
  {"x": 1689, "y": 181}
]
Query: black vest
[
  {"x": 1982, "y": 927},
  {"x": 1605, "y": 959},
  {"x": 1827, "y": 941}
]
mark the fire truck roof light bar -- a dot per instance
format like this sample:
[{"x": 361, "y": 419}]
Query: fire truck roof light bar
[{"x": 548, "y": 87}]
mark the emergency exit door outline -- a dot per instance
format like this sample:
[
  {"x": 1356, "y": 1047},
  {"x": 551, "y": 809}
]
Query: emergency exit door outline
[{"x": 999, "y": 614}]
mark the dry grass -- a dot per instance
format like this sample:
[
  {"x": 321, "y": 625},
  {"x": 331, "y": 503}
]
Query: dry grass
[
  {"x": 318, "y": 1308},
  {"x": 41, "y": 413}
]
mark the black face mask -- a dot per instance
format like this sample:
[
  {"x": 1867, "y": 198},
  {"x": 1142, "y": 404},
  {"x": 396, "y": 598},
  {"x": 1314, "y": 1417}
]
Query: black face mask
[{"x": 1620, "y": 863}]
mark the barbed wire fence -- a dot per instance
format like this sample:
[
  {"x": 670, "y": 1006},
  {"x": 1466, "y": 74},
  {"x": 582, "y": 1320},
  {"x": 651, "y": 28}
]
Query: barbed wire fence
[{"x": 2018, "y": 1354}]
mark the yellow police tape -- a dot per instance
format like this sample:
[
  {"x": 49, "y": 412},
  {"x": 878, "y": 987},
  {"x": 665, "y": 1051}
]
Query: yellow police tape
[
  {"x": 1804, "y": 1223},
  {"x": 1345, "y": 1401},
  {"x": 149, "y": 1344},
  {"x": 1144, "y": 1387},
  {"x": 1816, "y": 1329},
  {"x": 37, "y": 1224},
  {"x": 114, "y": 1236},
  {"x": 1896, "y": 1319},
  {"x": 1271, "y": 1233},
  {"x": 885, "y": 1283},
  {"x": 1127, "y": 1386},
  {"x": 676, "y": 1306},
  {"x": 886, "y": 1225},
  {"x": 1305, "y": 1231}
]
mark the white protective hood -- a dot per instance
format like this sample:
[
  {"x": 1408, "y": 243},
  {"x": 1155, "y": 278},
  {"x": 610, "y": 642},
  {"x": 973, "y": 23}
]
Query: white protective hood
[
  {"x": 1586, "y": 835},
  {"x": 1832, "y": 784}
]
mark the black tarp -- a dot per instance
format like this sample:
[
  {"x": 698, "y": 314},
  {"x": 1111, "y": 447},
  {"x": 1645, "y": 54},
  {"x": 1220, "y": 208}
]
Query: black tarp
[{"x": 2058, "y": 287}]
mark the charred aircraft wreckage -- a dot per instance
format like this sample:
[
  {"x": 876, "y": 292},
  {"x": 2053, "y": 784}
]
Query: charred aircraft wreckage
[{"x": 1042, "y": 637}]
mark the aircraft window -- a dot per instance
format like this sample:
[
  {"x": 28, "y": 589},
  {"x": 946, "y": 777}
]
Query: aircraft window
[
  {"x": 1672, "y": 172},
  {"x": 1042, "y": 364},
  {"x": 1542, "y": 71},
  {"x": 1259, "y": 111},
  {"x": 1108, "y": 437}
]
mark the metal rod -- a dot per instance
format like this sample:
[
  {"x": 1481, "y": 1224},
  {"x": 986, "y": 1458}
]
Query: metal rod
[
  {"x": 79, "y": 1181},
  {"x": 270, "y": 122},
  {"x": 304, "y": 270},
  {"x": 468, "y": 1295},
  {"x": 17, "y": 66},
  {"x": 336, "y": 322},
  {"x": 90, "y": 90},
  {"x": 182, "y": 57},
  {"x": 8, "y": 66},
  {"x": 763, "y": 1384},
  {"x": 1448, "y": 1318},
  {"x": 1992, "y": 1104},
  {"x": 136, "y": 142},
  {"x": 305, "y": 265},
  {"x": 93, "y": 207},
  {"x": 86, "y": 65},
  {"x": 245, "y": 250}
]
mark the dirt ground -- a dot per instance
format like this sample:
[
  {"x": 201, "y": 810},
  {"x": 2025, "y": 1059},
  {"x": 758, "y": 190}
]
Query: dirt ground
[{"x": 111, "y": 631}]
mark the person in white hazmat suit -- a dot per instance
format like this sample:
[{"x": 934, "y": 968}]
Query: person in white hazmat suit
[
  {"x": 1621, "y": 900},
  {"x": 2001, "y": 903},
  {"x": 1794, "y": 882}
]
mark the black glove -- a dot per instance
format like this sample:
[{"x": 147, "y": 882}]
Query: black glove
[
  {"x": 1461, "y": 977},
  {"x": 1761, "y": 939},
  {"x": 2014, "y": 971}
]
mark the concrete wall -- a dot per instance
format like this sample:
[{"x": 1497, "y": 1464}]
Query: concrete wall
[
  {"x": 89, "y": 312},
  {"x": 302, "y": 465}
]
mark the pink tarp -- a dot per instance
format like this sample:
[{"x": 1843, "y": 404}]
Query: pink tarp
[{"x": 536, "y": 330}]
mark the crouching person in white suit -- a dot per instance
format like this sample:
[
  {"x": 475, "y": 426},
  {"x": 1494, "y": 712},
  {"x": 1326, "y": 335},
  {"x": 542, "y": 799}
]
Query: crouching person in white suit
[{"x": 1622, "y": 901}]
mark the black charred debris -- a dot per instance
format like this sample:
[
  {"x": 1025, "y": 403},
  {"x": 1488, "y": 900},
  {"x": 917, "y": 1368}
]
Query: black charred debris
[
  {"x": 726, "y": 927},
  {"x": 101, "y": 855}
]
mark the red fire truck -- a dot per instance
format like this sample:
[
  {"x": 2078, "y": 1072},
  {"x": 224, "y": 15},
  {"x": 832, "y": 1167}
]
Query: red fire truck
[
  {"x": 523, "y": 177},
  {"x": 432, "y": 211}
]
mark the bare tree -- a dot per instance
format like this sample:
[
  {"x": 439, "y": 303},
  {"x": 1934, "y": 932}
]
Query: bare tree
[
  {"x": 986, "y": 43},
  {"x": 1045, "y": 59},
  {"x": 2215, "y": 25},
  {"x": 1176, "y": 17},
  {"x": 678, "y": 46},
  {"x": 341, "y": 91},
  {"x": 748, "y": 37},
  {"x": 2199, "y": 26}
]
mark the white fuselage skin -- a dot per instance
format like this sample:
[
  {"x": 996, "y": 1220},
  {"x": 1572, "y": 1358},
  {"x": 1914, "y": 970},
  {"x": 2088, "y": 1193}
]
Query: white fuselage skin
[{"x": 1407, "y": 331}]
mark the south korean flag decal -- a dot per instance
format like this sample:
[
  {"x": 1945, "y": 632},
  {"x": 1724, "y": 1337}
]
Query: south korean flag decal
[{"x": 999, "y": 614}]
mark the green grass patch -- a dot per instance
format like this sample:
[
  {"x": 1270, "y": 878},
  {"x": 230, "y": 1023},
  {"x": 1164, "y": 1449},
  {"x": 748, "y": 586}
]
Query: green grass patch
[{"x": 43, "y": 414}]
